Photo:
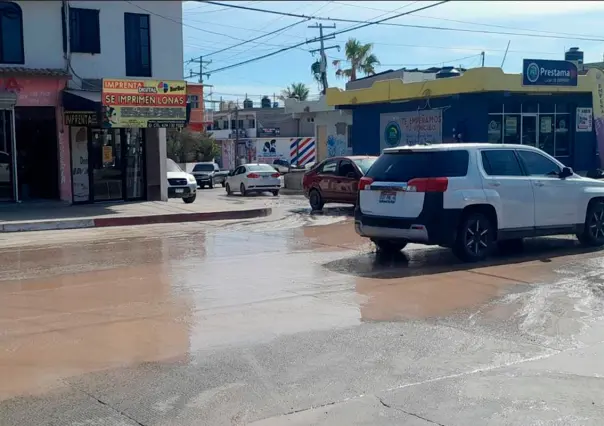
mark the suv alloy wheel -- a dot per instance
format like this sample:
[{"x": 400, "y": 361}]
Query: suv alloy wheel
[{"x": 475, "y": 238}]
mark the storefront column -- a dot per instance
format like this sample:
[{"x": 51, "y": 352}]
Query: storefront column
[{"x": 157, "y": 178}]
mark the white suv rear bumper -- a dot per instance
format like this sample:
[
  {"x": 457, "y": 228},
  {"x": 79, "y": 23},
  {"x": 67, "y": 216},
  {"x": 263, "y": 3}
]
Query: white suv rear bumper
[{"x": 416, "y": 233}]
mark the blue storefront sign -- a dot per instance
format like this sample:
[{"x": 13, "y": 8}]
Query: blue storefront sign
[{"x": 542, "y": 72}]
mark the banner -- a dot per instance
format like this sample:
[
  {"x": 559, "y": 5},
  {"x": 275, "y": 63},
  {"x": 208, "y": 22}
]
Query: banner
[
  {"x": 597, "y": 77},
  {"x": 144, "y": 103},
  {"x": 410, "y": 128}
]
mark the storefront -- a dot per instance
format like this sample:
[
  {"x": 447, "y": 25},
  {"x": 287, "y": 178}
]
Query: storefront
[
  {"x": 483, "y": 105},
  {"x": 114, "y": 137},
  {"x": 34, "y": 156}
]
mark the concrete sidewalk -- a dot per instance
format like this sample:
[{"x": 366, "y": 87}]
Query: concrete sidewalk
[{"x": 42, "y": 216}]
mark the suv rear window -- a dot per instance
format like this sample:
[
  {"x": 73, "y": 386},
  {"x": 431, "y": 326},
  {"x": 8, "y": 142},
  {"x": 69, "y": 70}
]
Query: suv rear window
[{"x": 406, "y": 165}]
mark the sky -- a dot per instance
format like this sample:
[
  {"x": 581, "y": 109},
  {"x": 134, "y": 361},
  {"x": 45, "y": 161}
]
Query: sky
[{"x": 557, "y": 25}]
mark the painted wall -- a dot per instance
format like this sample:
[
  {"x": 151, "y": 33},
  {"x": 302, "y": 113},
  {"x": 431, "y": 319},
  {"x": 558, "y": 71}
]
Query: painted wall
[
  {"x": 43, "y": 40},
  {"x": 196, "y": 121},
  {"x": 37, "y": 92},
  {"x": 335, "y": 139}
]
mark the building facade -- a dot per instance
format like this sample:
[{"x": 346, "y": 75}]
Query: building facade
[
  {"x": 263, "y": 134},
  {"x": 483, "y": 105},
  {"x": 55, "y": 139}
]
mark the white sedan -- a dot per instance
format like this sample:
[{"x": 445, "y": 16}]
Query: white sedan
[{"x": 253, "y": 178}]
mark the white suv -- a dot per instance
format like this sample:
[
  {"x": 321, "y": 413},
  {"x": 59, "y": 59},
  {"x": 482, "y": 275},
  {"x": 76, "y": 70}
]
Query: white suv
[{"x": 470, "y": 196}]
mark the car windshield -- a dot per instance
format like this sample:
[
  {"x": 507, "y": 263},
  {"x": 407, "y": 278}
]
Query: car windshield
[
  {"x": 203, "y": 168},
  {"x": 260, "y": 168},
  {"x": 406, "y": 165},
  {"x": 364, "y": 164},
  {"x": 171, "y": 166}
]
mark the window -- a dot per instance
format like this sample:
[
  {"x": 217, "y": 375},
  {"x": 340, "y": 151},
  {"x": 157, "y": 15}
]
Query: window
[
  {"x": 233, "y": 124},
  {"x": 562, "y": 146},
  {"x": 138, "y": 45},
  {"x": 329, "y": 167},
  {"x": 405, "y": 165},
  {"x": 261, "y": 168},
  {"x": 345, "y": 168},
  {"x": 494, "y": 134},
  {"x": 501, "y": 162},
  {"x": 251, "y": 124},
  {"x": 225, "y": 125},
  {"x": 538, "y": 165},
  {"x": 364, "y": 164},
  {"x": 84, "y": 30},
  {"x": 11, "y": 34},
  {"x": 203, "y": 168},
  {"x": 240, "y": 124},
  {"x": 193, "y": 101}
]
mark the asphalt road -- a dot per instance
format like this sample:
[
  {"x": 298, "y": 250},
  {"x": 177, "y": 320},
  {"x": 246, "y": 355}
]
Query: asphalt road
[{"x": 283, "y": 322}]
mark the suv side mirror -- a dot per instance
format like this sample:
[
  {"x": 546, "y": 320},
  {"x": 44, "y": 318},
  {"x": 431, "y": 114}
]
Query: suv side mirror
[{"x": 566, "y": 172}]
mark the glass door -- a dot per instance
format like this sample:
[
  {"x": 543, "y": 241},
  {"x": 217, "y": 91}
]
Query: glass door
[
  {"x": 134, "y": 164},
  {"x": 106, "y": 165},
  {"x": 6, "y": 159},
  {"x": 529, "y": 133}
]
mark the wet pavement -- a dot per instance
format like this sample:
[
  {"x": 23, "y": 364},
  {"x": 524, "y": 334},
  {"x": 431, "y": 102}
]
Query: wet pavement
[{"x": 295, "y": 320}]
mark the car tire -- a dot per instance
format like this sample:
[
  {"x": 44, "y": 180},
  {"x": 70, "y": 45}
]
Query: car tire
[
  {"x": 223, "y": 184},
  {"x": 276, "y": 193},
  {"x": 190, "y": 199},
  {"x": 315, "y": 199},
  {"x": 201, "y": 186},
  {"x": 593, "y": 230},
  {"x": 211, "y": 185},
  {"x": 475, "y": 238},
  {"x": 242, "y": 189},
  {"x": 388, "y": 246},
  {"x": 228, "y": 189}
]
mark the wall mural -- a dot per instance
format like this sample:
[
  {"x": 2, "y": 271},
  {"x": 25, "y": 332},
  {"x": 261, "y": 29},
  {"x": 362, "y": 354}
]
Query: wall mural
[
  {"x": 227, "y": 154},
  {"x": 336, "y": 146}
]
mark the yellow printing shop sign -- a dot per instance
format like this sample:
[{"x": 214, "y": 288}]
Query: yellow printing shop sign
[{"x": 144, "y": 103}]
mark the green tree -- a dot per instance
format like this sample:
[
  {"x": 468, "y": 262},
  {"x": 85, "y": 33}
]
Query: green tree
[
  {"x": 185, "y": 146},
  {"x": 360, "y": 58},
  {"x": 297, "y": 91}
]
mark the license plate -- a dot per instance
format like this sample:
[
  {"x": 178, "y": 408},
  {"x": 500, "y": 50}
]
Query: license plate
[
  {"x": 179, "y": 190},
  {"x": 388, "y": 197}
]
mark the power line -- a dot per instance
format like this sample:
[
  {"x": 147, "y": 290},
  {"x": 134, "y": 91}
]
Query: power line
[
  {"x": 285, "y": 49},
  {"x": 194, "y": 27},
  {"x": 256, "y": 38},
  {"x": 472, "y": 23},
  {"x": 469, "y": 30}
]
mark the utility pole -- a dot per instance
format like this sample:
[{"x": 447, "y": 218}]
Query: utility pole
[
  {"x": 201, "y": 63},
  {"x": 482, "y": 54},
  {"x": 322, "y": 50}
]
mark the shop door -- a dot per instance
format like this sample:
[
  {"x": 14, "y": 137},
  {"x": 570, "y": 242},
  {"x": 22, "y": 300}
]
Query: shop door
[
  {"x": 134, "y": 164},
  {"x": 6, "y": 159},
  {"x": 105, "y": 165},
  {"x": 529, "y": 133}
]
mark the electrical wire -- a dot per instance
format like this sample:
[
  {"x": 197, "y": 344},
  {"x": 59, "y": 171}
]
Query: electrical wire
[
  {"x": 469, "y": 30},
  {"x": 285, "y": 49}
]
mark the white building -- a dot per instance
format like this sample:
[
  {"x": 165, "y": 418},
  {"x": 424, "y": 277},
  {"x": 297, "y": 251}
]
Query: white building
[{"x": 50, "y": 81}]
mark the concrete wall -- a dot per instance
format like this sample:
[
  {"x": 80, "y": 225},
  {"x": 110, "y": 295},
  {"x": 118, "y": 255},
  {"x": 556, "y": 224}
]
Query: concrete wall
[
  {"x": 43, "y": 40},
  {"x": 333, "y": 140}
]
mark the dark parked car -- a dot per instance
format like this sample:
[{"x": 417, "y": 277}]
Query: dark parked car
[
  {"x": 335, "y": 180},
  {"x": 204, "y": 174}
]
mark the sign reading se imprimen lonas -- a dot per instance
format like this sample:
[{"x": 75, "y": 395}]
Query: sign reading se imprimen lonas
[
  {"x": 541, "y": 72},
  {"x": 410, "y": 128}
]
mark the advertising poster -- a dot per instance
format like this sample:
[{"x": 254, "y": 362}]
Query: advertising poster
[
  {"x": 411, "y": 128},
  {"x": 598, "y": 110},
  {"x": 270, "y": 149},
  {"x": 79, "y": 162},
  {"x": 584, "y": 119},
  {"x": 144, "y": 103}
]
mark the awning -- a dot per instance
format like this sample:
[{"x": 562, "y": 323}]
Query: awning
[
  {"x": 81, "y": 100},
  {"x": 7, "y": 100}
]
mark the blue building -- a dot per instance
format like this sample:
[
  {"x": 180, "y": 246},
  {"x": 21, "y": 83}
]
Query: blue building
[{"x": 483, "y": 105}]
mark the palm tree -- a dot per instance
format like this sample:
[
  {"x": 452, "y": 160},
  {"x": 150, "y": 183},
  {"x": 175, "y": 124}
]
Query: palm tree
[
  {"x": 297, "y": 91},
  {"x": 360, "y": 58}
]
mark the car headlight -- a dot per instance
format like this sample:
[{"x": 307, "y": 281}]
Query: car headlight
[{"x": 191, "y": 179}]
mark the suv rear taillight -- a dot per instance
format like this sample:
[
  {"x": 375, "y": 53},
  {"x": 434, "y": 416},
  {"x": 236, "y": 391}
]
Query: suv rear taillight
[
  {"x": 365, "y": 182},
  {"x": 439, "y": 184}
]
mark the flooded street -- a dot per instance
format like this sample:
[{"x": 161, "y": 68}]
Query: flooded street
[{"x": 293, "y": 320}]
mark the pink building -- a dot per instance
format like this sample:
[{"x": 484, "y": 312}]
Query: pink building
[{"x": 33, "y": 140}]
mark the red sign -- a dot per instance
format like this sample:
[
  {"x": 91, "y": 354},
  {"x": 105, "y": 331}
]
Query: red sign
[{"x": 10, "y": 84}]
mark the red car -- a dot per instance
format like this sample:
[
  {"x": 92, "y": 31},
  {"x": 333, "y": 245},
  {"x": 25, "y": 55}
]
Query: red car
[{"x": 335, "y": 180}]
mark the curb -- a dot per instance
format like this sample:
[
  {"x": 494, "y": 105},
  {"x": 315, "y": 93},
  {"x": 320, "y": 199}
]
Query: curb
[{"x": 48, "y": 225}]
